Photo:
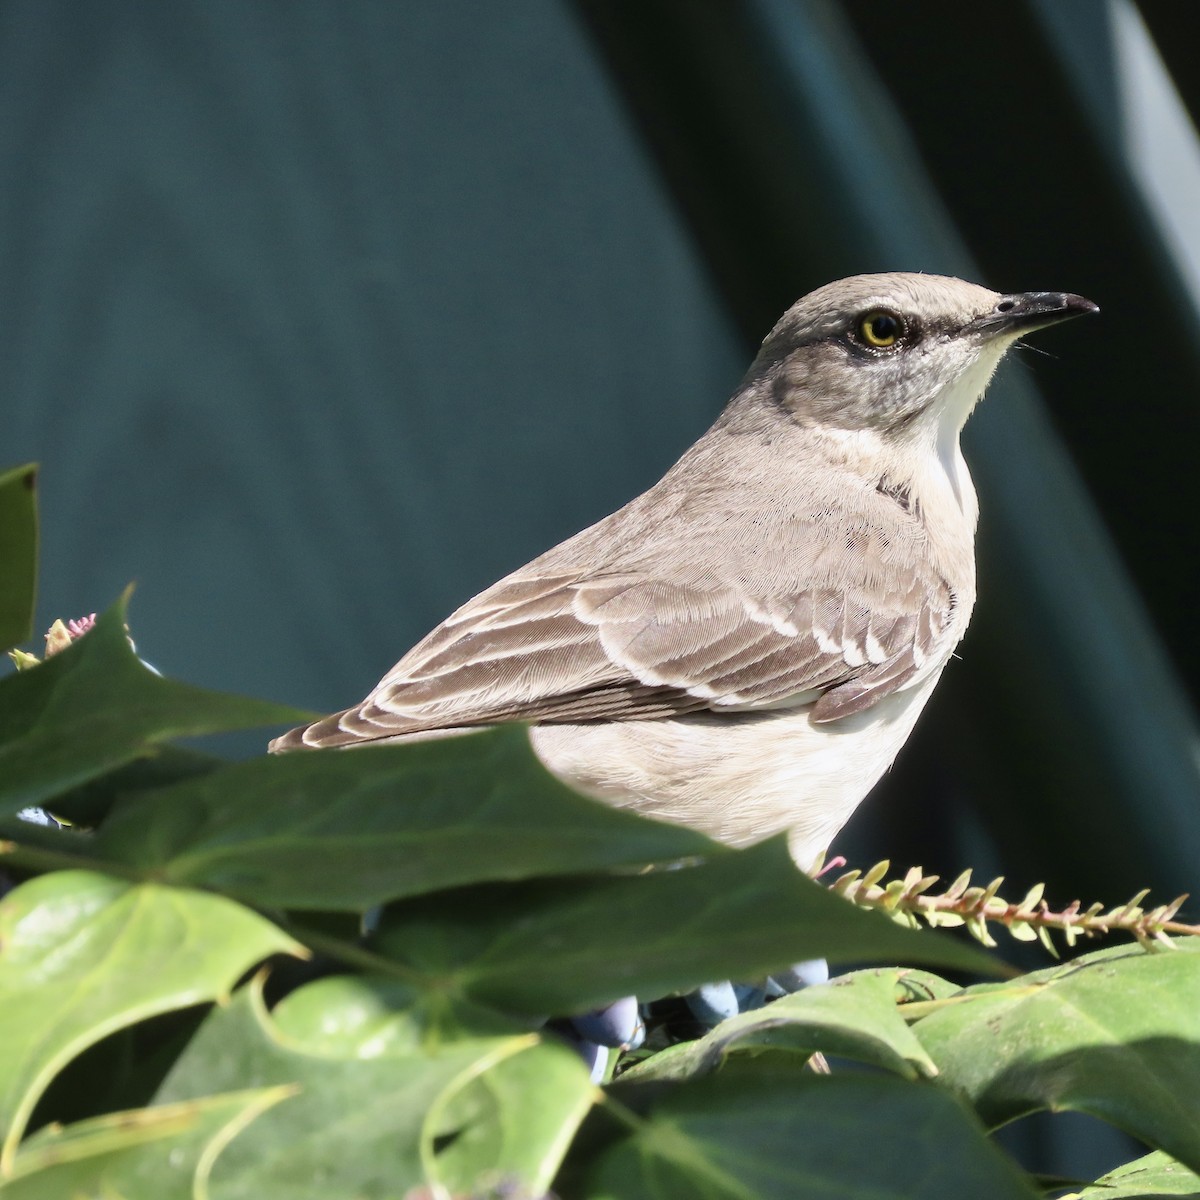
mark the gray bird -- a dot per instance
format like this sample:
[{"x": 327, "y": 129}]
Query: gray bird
[{"x": 745, "y": 647}]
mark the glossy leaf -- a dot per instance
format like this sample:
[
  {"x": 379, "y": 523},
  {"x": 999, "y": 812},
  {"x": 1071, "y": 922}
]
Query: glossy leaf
[
  {"x": 94, "y": 707},
  {"x": 1153, "y": 1177},
  {"x": 355, "y": 1016},
  {"x": 362, "y": 1087},
  {"x": 83, "y": 955},
  {"x": 853, "y": 1017},
  {"x": 514, "y": 1121},
  {"x": 342, "y": 829},
  {"x": 568, "y": 946},
  {"x": 157, "y": 1153},
  {"x": 18, "y": 554},
  {"x": 756, "y": 1131},
  {"x": 1115, "y": 1034}
]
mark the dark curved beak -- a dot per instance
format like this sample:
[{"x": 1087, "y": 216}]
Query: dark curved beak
[{"x": 1022, "y": 312}]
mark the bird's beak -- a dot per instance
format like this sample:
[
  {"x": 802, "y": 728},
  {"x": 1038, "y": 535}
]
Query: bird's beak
[{"x": 1023, "y": 312}]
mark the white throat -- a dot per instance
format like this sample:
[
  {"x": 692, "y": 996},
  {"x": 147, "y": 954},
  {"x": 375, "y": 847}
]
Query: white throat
[{"x": 950, "y": 414}]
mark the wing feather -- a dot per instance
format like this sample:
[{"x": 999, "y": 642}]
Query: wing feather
[{"x": 840, "y": 609}]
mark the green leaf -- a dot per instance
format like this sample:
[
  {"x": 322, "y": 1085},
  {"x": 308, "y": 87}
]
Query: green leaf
[
  {"x": 18, "y": 553},
  {"x": 513, "y": 1122},
  {"x": 146, "y": 1154},
  {"x": 83, "y": 955},
  {"x": 853, "y": 1017},
  {"x": 1115, "y": 1034},
  {"x": 94, "y": 707},
  {"x": 756, "y": 1131},
  {"x": 338, "y": 829},
  {"x": 370, "y": 1102},
  {"x": 88, "y": 804},
  {"x": 565, "y": 946},
  {"x": 1152, "y": 1177},
  {"x": 380, "y": 1015}
]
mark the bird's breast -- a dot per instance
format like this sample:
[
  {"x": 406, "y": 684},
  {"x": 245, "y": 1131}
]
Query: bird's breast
[{"x": 739, "y": 777}]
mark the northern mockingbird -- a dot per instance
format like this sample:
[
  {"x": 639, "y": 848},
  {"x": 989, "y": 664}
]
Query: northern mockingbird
[{"x": 745, "y": 647}]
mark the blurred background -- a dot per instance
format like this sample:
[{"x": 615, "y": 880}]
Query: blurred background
[{"x": 322, "y": 315}]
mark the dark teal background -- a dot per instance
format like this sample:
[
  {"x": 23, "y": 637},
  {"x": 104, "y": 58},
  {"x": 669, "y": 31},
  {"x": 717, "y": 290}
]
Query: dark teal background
[{"x": 320, "y": 316}]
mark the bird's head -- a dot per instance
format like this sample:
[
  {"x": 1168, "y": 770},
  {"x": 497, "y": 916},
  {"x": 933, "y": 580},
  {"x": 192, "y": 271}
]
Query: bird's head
[{"x": 896, "y": 351}]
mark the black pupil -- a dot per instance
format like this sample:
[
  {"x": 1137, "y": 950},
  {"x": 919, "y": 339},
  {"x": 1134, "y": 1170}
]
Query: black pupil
[{"x": 884, "y": 328}]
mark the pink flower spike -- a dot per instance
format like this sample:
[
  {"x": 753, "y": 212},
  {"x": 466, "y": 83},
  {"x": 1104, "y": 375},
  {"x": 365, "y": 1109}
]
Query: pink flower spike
[
  {"x": 833, "y": 864},
  {"x": 78, "y": 628}
]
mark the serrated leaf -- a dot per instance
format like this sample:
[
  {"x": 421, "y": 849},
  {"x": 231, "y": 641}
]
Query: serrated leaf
[
  {"x": 512, "y": 1124},
  {"x": 1153, "y": 1177},
  {"x": 18, "y": 553},
  {"x": 855, "y": 1017},
  {"x": 571, "y": 945},
  {"x": 83, "y": 955},
  {"x": 1115, "y": 1034},
  {"x": 345, "y": 830},
  {"x": 758, "y": 1132},
  {"x": 94, "y": 707},
  {"x": 360, "y": 1088},
  {"x": 144, "y": 1154}
]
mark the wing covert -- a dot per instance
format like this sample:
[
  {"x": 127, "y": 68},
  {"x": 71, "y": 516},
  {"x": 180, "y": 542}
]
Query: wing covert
[{"x": 567, "y": 646}]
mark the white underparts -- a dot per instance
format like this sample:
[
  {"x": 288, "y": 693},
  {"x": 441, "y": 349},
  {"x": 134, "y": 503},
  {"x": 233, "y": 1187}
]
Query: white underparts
[{"x": 739, "y": 778}]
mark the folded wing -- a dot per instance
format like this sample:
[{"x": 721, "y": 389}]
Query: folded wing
[{"x": 555, "y": 643}]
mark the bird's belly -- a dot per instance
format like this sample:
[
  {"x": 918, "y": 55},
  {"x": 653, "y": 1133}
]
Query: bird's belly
[{"x": 739, "y": 777}]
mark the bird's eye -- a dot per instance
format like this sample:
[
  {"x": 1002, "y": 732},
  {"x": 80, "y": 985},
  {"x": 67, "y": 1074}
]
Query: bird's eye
[{"x": 880, "y": 329}]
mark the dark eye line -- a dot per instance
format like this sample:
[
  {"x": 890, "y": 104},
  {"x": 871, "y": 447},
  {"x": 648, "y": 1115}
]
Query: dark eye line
[{"x": 847, "y": 337}]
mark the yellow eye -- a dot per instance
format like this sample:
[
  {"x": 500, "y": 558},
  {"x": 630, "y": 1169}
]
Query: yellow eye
[{"x": 880, "y": 329}]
